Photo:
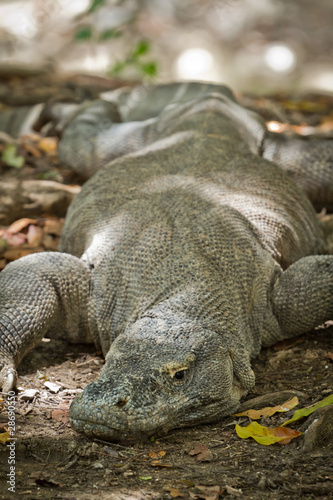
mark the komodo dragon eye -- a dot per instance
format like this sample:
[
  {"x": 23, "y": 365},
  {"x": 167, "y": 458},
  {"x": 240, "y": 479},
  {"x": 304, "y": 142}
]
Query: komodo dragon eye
[{"x": 179, "y": 375}]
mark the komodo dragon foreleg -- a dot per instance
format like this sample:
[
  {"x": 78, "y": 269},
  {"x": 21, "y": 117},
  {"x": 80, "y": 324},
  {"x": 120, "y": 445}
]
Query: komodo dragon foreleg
[
  {"x": 43, "y": 293},
  {"x": 302, "y": 297}
]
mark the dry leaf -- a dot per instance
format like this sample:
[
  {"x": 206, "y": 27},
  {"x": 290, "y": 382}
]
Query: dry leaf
[
  {"x": 157, "y": 463},
  {"x": 269, "y": 410},
  {"x": 42, "y": 478},
  {"x": 48, "y": 145},
  {"x": 34, "y": 235},
  {"x": 30, "y": 148},
  {"x": 227, "y": 434},
  {"x": 18, "y": 225},
  {"x": 157, "y": 455},
  {"x": 175, "y": 493},
  {"x": 205, "y": 492},
  {"x": 198, "y": 449},
  {"x": 13, "y": 239},
  {"x": 188, "y": 483},
  {"x": 267, "y": 435},
  {"x": 330, "y": 355},
  {"x": 54, "y": 226},
  {"x": 203, "y": 453},
  {"x": 233, "y": 491},
  {"x": 326, "y": 123},
  {"x": 18, "y": 252},
  {"x": 61, "y": 416}
]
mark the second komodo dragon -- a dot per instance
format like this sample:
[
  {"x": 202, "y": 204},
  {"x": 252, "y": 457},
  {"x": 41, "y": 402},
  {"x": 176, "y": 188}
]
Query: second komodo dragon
[{"x": 192, "y": 247}]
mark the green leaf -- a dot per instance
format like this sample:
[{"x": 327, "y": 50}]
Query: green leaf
[
  {"x": 150, "y": 68},
  {"x": 305, "y": 412},
  {"x": 3, "y": 245},
  {"x": 133, "y": 60},
  {"x": 141, "y": 48},
  {"x": 146, "y": 478},
  {"x": 117, "y": 68},
  {"x": 95, "y": 5},
  {"x": 52, "y": 175},
  {"x": 111, "y": 33},
  {"x": 83, "y": 33},
  {"x": 9, "y": 156}
]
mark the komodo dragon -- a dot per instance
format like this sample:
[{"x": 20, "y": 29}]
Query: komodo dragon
[{"x": 180, "y": 258}]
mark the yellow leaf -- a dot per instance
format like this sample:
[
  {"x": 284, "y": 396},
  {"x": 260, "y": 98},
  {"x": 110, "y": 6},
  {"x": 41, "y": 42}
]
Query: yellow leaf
[
  {"x": 175, "y": 493},
  {"x": 48, "y": 145},
  {"x": 267, "y": 435},
  {"x": 305, "y": 412},
  {"x": 269, "y": 410},
  {"x": 41, "y": 376},
  {"x": 157, "y": 463},
  {"x": 4, "y": 437},
  {"x": 157, "y": 455}
]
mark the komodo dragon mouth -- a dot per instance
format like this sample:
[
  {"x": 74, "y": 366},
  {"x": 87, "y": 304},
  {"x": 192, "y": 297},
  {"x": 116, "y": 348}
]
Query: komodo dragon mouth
[
  {"x": 114, "y": 424},
  {"x": 118, "y": 426}
]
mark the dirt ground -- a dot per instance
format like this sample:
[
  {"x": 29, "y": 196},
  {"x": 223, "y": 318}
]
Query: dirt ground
[
  {"x": 52, "y": 461},
  {"x": 207, "y": 462}
]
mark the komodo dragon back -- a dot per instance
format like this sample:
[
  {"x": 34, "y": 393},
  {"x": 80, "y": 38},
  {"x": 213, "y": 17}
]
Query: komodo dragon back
[{"x": 186, "y": 251}]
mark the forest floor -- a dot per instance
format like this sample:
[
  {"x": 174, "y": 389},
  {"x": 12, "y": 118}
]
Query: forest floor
[
  {"x": 52, "y": 461},
  {"x": 207, "y": 462}
]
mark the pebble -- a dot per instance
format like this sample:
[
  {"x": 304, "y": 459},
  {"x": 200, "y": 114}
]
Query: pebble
[
  {"x": 28, "y": 394},
  {"x": 52, "y": 387}
]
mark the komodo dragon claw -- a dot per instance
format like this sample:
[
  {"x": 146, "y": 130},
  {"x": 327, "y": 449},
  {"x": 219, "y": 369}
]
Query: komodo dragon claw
[{"x": 8, "y": 377}]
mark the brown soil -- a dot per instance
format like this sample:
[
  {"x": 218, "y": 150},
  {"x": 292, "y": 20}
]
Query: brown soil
[{"x": 52, "y": 461}]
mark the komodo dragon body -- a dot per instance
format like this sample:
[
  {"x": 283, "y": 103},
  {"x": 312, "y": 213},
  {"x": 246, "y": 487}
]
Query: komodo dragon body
[{"x": 180, "y": 258}]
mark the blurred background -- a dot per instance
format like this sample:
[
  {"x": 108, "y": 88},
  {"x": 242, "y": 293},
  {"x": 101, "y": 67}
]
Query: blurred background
[
  {"x": 276, "y": 55},
  {"x": 258, "y": 46}
]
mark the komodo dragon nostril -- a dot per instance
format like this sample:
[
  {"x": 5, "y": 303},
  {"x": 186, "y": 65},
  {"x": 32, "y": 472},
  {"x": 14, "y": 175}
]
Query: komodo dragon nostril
[{"x": 121, "y": 403}]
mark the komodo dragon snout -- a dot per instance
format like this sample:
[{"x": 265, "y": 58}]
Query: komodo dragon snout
[{"x": 150, "y": 383}]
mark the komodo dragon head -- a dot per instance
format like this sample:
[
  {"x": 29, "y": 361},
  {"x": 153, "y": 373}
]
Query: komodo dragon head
[{"x": 158, "y": 376}]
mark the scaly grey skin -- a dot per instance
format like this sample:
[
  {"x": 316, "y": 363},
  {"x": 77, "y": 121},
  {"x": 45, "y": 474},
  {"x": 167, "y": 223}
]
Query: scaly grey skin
[{"x": 180, "y": 258}]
